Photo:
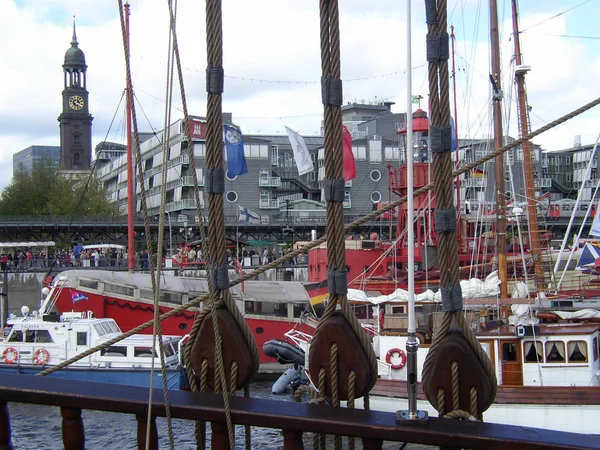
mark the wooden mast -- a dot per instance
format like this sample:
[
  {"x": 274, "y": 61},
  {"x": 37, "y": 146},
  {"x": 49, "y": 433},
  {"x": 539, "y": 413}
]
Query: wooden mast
[
  {"x": 498, "y": 142},
  {"x": 534, "y": 232},
  {"x": 130, "y": 181}
]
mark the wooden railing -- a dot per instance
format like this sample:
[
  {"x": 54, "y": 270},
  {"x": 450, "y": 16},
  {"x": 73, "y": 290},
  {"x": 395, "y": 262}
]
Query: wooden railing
[{"x": 294, "y": 419}]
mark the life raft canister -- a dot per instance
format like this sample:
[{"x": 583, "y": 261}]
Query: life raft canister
[
  {"x": 10, "y": 355},
  {"x": 400, "y": 353},
  {"x": 41, "y": 356}
]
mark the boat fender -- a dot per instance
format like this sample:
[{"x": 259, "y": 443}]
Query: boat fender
[
  {"x": 10, "y": 355},
  {"x": 41, "y": 357},
  {"x": 396, "y": 351}
]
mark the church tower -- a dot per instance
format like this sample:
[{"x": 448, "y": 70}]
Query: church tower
[{"x": 75, "y": 120}]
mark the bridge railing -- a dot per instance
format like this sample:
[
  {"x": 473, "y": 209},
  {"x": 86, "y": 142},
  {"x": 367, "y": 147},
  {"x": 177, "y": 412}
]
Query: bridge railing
[{"x": 293, "y": 419}]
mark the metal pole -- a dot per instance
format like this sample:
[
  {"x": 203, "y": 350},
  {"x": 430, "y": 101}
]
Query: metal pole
[
  {"x": 412, "y": 345},
  {"x": 131, "y": 199},
  {"x": 170, "y": 235}
]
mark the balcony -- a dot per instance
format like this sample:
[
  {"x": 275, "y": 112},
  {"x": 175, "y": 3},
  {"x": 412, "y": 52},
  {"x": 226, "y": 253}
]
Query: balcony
[
  {"x": 179, "y": 205},
  {"x": 269, "y": 182},
  {"x": 272, "y": 203},
  {"x": 542, "y": 183},
  {"x": 474, "y": 182}
]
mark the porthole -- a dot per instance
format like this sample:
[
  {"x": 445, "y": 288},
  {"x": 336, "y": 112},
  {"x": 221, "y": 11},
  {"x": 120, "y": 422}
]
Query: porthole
[
  {"x": 230, "y": 178},
  {"x": 375, "y": 175},
  {"x": 259, "y": 330},
  {"x": 182, "y": 326},
  {"x": 375, "y": 196},
  {"x": 231, "y": 196}
]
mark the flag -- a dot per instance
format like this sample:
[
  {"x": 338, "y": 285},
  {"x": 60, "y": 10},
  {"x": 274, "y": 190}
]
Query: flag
[
  {"x": 247, "y": 215},
  {"x": 349, "y": 165},
  {"x": 76, "y": 296},
  {"x": 416, "y": 98},
  {"x": 301, "y": 153},
  {"x": 234, "y": 143},
  {"x": 595, "y": 230}
]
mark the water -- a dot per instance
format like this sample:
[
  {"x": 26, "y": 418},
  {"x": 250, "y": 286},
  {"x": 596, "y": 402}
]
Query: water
[{"x": 40, "y": 428}]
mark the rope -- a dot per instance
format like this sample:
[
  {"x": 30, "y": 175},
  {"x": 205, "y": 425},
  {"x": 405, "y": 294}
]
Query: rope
[{"x": 156, "y": 320}]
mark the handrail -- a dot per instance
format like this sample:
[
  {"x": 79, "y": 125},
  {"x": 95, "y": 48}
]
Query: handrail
[{"x": 293, "y": 418}]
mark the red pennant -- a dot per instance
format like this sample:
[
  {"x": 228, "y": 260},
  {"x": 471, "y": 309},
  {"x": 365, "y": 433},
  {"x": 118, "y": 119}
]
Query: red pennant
[{"x": 349, "y": 165}]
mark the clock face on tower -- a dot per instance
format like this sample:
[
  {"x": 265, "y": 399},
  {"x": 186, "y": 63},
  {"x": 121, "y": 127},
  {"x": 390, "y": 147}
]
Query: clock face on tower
[{"x": 76, "y": 102}]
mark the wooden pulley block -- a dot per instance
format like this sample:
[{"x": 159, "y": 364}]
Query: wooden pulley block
[
  {"x": 235, "y": 348},
  {"x": 351, "y": 357},
  {"x": 471, "y": 373}
]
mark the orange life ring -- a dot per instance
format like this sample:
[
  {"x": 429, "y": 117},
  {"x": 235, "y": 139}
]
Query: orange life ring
[
  {"x": 10, "y": 355},
  {"x": 396, "y": 351},
  {"x": 41, "y": 356}
]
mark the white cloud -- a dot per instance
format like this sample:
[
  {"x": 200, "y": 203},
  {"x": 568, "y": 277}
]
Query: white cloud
[{"x": 272, "y": 41}]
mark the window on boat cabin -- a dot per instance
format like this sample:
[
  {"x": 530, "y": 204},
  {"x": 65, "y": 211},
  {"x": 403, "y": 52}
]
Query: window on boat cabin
[
  {"x": 114, "y": 350},
  {"x": 106, "y": 327},
  {"x": 41, "y": 336},
  {"x": 119, "y": 289},
  {"x": 534, "y": 352},
  {"x": 398, "y": 310},
  {"x": 143, "y": 352},
  {"x": 595, "y": 348},
  {"x": 82, "y": 338},
  {"x": 509, "y": 351},
  {"x": 300, "y": 309},
  {"x": 168, "y": 349},
  {"x": 266, "y": 308},
  {"x": 172, "y": 297},
  {"x": 16, "y": 336},
  {"x": 555, "y": 351},
  {"x": 90, "y": 284},
  {"x": 577, "y": 351}
]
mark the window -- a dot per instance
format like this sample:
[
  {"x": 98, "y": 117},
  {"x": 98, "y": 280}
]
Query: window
[
  {"x": 81, "y": 338},
  {"x": 118, "y": 289},
  {"x": 231, "y": 196},
  {"x": 555, "y": 351},
  {"x": 375, "y": 175},
  {"x": 577, "y": 351},
  {"x": 509, "y": 351},
  {"x": 595, "y": 349},
  {"x": 16, "y": 336},
  {"x": 114, "y": 350},
  {"x": 143, "y": 352},
  {"x": 39, "y": 336},
  {"x": 533, "y": 352}
]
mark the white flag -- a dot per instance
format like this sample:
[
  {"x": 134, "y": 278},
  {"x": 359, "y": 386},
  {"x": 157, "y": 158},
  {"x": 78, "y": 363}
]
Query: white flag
[
  {"x": 301, "y": 153},
  {"x": 595, "y": 230}
]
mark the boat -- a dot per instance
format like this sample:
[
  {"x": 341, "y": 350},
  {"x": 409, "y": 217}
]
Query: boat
[
  {"x": 38, "y": 341},
  {"x": 270, "y": 308}
]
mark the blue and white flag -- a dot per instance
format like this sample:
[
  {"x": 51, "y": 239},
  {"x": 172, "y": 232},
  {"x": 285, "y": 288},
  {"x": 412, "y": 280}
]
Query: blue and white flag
[
  {"x": 234, "y": 143},
  {"x": 77, "y": 296},
  {"x": 249, "y": 216}
]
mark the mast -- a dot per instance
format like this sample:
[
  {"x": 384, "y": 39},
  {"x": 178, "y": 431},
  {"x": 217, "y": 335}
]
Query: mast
[
  {"x": 534, "y": 232},
  {"x": 130, "y": 192},
  {"x": 498, "y": 141},
  {"x": 458, "y": 209}
]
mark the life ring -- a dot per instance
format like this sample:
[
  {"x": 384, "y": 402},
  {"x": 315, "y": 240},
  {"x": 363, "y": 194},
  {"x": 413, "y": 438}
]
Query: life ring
[
  {"x": 41, "y": 356},
  {"x": 10, "y": 355},
  {"x": 396, "y": 351}
]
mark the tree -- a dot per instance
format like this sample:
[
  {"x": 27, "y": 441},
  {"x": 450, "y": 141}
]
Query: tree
[{"x": 43, "y": 192}]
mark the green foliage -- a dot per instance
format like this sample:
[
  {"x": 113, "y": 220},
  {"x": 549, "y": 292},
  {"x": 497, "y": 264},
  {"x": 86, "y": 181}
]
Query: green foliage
[{"x": 43, "y": 192}]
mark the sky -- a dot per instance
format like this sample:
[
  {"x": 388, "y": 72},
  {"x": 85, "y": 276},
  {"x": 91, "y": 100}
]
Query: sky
[{"x": 272, "y": 64}]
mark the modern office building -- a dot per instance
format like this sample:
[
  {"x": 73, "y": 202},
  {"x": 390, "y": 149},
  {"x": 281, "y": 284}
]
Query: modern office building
[{"x": 35, "y": 156}]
